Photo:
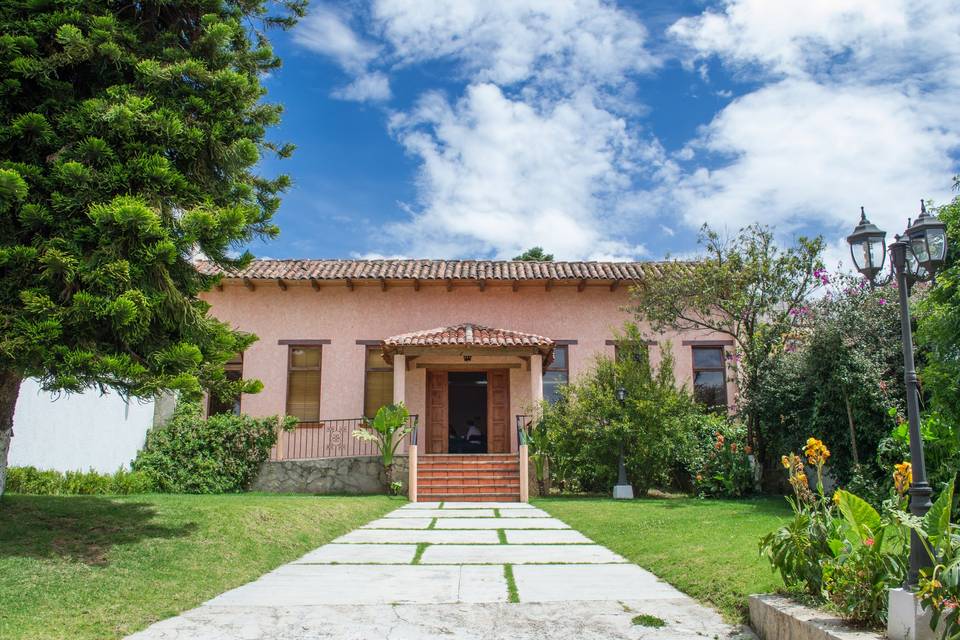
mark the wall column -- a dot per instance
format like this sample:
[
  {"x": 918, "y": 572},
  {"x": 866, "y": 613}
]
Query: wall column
[
  {"x": 536, "y": 381},
  {"x": 399, "y": 378}
]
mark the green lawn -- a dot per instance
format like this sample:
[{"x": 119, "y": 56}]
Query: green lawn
[
  {"x": 705, "y": 548},
  {"x": 104, "y": 567}
]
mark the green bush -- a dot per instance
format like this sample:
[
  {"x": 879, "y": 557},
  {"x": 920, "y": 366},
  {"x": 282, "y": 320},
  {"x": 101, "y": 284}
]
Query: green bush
[
  {"x": 53, "y": 483},
  {"x": 219, "y": 454},
  {"x": 587, "y": 426}
]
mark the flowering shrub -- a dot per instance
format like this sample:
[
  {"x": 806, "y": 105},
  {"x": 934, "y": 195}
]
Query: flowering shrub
[
  {"x": 726, "y": 470},
  {"x": 840, "y": 549},
  {"x": 714, "y": 458}
]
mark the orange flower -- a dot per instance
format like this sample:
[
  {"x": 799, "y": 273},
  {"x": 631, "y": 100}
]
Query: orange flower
[
  {"x": 816, "y": 452},
  {"x": 902, "y": 477}
]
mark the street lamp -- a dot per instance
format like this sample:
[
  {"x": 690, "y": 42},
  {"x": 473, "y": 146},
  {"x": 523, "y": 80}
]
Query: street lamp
[
  {"x": 914, "y": 256},
  {"x": 623, "y": 490}
]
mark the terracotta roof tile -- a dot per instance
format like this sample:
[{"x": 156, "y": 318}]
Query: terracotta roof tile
[
  {"x": 442, "y": 270},
  {"x": 467, "y": 334}
]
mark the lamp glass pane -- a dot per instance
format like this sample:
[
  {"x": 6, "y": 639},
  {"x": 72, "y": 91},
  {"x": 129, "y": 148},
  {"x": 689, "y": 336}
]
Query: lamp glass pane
[
  {"x": 860, "y": 251},
  {"x": 876, "y": 252},
  {"x": 919, "y": 245},
  {"x": 912, "y": 265},
  {"x": 937, "y": 244}
]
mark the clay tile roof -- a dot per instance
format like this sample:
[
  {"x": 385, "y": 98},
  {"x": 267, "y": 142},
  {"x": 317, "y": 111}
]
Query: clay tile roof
[
  {"x": 440, "y": 270},
  {"x": 467, "y": 334}
]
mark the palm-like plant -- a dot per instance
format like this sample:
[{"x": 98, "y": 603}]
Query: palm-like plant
[{"x": 387, "y": 430}]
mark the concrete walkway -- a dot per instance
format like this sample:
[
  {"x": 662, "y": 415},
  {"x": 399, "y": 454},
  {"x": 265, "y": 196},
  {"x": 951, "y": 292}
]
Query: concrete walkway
[{"x": 453, "y": 571}]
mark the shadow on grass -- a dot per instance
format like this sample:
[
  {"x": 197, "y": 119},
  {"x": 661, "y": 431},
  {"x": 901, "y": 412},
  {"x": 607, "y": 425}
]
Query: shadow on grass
[{"x": 78, "y": 528}]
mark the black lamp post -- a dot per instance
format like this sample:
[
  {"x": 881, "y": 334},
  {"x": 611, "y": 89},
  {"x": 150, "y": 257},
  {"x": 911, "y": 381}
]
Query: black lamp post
[
  {"x": 915, "y": 256},
  {"x": 623, "y": 489}
]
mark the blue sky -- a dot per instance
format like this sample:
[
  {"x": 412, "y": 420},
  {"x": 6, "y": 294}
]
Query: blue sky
[{"x": 607, "y": 130}]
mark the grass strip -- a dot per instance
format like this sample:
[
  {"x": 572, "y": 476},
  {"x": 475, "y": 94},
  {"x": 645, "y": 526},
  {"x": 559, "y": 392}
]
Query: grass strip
[
  {"x": 433, "y": 524},
  {"x": 502, "y": 536},
  {"x": 421, "y": 547},
  {"x": 513, "y": 595}
]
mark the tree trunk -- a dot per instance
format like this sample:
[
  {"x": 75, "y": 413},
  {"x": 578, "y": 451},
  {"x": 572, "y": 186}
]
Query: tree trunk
[
  {"x": 853, "y": 433},
  {"x": 9, "y": 390}
]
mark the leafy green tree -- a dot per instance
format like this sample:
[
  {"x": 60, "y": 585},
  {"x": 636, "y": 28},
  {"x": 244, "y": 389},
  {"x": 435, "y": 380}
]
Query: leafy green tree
[
  {"x": 535, "y": 254},
  {"x": 836, "y": 379},
  {"x": 129, "y": 136},
  {"x": 745, "y": 287},
  {"x": 939, "y": 323}
]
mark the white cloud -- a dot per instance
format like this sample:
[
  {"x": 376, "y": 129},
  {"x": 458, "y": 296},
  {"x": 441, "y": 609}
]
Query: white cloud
[
  {"x": 373, "y": 87},
  {"x": 787, "y": 36},
  {"x": 510, "y": 41},
  {"x": 497, "y": 172},
  {"x": 326, "y": 31},
  {"x": 857, "y": 106}
]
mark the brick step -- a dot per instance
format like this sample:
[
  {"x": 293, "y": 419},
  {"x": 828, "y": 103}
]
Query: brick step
[
  {"x": 465, "y": 463},
  {"x": 463, "y": 471},
  {"x": 455, "y": 475},
  {"x": 461, "y": 489},
  {"x": 473, "y": 482},
  {"x": 471, "y": 497},
  {"x": 476, "y": 456}
]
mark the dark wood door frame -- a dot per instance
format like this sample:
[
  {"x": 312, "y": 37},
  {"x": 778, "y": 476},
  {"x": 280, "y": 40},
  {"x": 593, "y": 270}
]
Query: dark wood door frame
[{"x": 441, "y": 414}]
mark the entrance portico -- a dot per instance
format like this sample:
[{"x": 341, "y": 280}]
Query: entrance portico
[{"x": 474, "y": 376}]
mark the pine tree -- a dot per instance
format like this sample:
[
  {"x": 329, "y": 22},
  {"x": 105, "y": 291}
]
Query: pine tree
[{"x": 129, "y": 137}]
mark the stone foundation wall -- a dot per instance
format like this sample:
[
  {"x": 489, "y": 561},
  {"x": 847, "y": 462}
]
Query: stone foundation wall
[{"x": 356, "y": 475}]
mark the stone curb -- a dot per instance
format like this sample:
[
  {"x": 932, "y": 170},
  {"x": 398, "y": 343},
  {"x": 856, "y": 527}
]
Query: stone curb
[{"x": 776, "y": 617}]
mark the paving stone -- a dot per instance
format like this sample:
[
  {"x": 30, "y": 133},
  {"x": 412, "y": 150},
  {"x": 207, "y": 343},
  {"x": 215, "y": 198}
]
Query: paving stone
[
  {"x": 500, "y": 523},
  {"x": 317, "y": 584},
  {"x": 610, "y": 620},
  {"x": 416, "y": 536},
  {"x": 558, "y": 536},
  {"x": 399, "y": 523},
  {"x": 441, "y": 513},
  {"x": 486, "y": 505},
  {"x": 361, "y": 553},
  {"x": 421, "y": 505},
  {"x": 482, "y": 584},
  {"x": 554, "y": 583},
  {"x": 517, "y": 554},
  {"x": 523, "y": 513}
]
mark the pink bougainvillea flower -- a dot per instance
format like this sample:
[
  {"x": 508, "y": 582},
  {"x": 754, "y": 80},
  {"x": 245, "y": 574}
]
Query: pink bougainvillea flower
[
  {"x": 882, "y": 301},
  {"x": 868, "y": 542}
]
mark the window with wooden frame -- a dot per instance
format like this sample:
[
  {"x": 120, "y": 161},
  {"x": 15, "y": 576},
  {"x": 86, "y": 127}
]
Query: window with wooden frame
[
  {"x": 556, "y": 374},
  {"x": 303, "y": 382},
  {"x": 710, "y": 377},
  {"x": 234, "y": 371},
  {"x": 378, "y": 382}
]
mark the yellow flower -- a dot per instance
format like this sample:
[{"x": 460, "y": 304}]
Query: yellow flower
[
  {"x": 902, "y": 477},
  {"x": 836, "y": 497},
  {"x": 816, "y": 452},
  {"x": 785, "y": 461}
]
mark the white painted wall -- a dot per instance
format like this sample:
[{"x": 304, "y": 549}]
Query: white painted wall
[{"x": 78, "y": 431}]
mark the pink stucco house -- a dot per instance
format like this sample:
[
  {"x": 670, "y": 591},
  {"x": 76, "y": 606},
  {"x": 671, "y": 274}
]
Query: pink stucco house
[{"x": 469, "y": 346}]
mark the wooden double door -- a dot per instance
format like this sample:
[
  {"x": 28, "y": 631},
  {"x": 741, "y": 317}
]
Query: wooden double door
[{"x": 439, "y": 427}]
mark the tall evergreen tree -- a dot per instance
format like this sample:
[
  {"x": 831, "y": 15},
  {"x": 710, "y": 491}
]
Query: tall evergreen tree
[{"x": 129, "y": 135}]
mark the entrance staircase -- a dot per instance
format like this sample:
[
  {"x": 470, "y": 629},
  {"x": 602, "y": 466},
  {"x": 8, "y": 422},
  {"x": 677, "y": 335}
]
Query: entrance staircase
[{"x": 492, "y": 477}]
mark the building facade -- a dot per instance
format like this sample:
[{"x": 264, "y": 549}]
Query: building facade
[{"x": 469, "y": 346}]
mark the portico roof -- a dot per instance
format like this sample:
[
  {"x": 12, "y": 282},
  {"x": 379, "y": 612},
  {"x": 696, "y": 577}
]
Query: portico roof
[{"x": 467, "y": 336}]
